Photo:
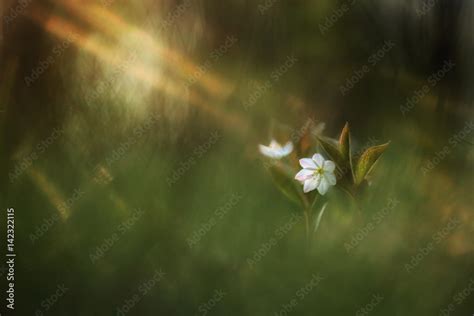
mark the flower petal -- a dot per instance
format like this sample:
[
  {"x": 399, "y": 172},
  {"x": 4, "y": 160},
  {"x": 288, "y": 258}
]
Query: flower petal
[
  {"x": 307, "y": 163},
  {"x": 323, "y": 186},
  {"x": 319, "y": 160},
  {"x": 269, "y": 152},
  {"x": 310, "y": 185},
  {"x": 287, "y": 149},
  {"x": 331, "y": 178},
  {"x": 265, "y": 150},
  {"x": 274, "y": 144},
  {"x": 329, "y": 166},
  {"x": 304, "y": 174}
]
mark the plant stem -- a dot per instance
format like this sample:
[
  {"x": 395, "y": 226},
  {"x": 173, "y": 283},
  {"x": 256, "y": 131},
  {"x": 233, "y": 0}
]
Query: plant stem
[
  {"x": 307, "y": 216},
  {"x": 316, "y": 198}
]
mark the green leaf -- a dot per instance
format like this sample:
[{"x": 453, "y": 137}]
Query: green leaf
[
  {"x": 320, "y": 216},
  {"x": 345, "y": 143},
  {"x": 367, "y": 161},
  {"x": 332, "y": 151},
  {"x": 286, "y": 184}
]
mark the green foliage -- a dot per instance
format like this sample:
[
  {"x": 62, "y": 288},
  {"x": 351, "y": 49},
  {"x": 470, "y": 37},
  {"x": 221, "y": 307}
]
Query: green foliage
[
  {"x": 367, "y": 162},
  {"x": 284, "y": 181},
  {"x": 333, "y": 152},
  {"x": 345, "y": 143},
  {"x": 342, "y": 156}
]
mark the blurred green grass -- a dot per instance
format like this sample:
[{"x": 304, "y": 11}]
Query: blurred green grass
[{"x": 158, "y": 239}]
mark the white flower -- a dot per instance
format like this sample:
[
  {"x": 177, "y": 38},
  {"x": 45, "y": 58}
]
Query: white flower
[
  {"x": 275, "y": 150},
  {"x": 317, "y": 173}
]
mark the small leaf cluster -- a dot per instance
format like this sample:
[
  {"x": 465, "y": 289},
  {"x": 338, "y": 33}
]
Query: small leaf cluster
[{"x": 352, "y": 171}]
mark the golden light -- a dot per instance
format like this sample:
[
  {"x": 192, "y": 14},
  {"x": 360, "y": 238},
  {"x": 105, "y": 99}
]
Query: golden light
[
  {"x": 146, "y": 73},
  {"x": 51, "y": 192},
  {"x": 115, "y": 26}
]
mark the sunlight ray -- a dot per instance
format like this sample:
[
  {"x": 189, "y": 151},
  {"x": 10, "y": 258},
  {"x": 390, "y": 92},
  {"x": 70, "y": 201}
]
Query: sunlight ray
[
  {"x": 51, "y": 192},
  {"x": 115, "y": 26},
  {"x": 64, "y": 29}
]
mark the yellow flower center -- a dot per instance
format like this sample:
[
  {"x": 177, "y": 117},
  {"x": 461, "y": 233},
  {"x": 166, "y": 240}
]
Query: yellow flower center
[{"x": 319, "y": 171}]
